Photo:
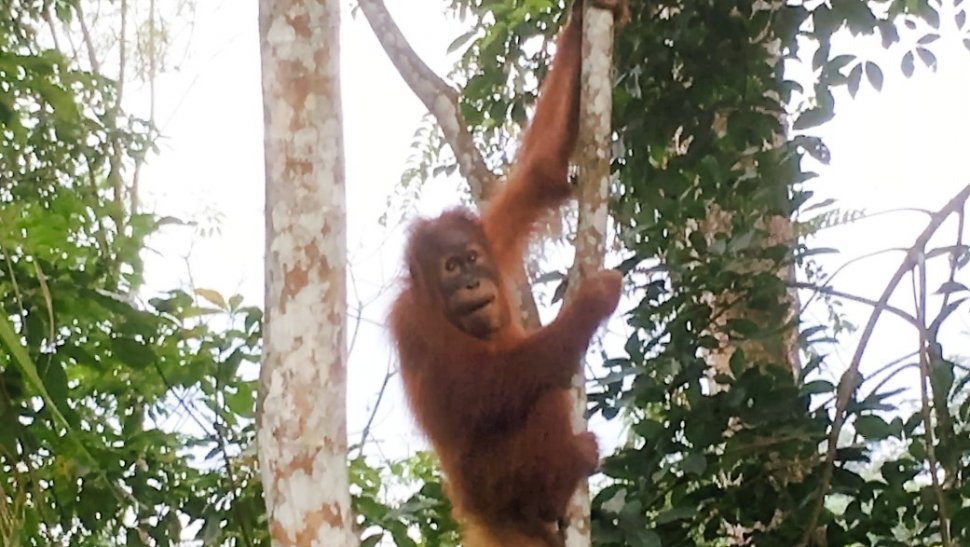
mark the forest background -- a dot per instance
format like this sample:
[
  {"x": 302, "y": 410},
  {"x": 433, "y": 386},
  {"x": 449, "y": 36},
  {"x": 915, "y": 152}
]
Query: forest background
[{"x": 131, "y": 195}]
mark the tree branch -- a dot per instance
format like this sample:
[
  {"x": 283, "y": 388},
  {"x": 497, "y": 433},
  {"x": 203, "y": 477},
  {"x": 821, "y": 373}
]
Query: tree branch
[
  {"x": 846, "y": 386},
  {"x": 437, "y": 96},
  {"x": 924, "y": 385},
  {"x": 593, "y": 162},
  {"x": 856, "y": 298},
  {"x": 442, "y": 101}
]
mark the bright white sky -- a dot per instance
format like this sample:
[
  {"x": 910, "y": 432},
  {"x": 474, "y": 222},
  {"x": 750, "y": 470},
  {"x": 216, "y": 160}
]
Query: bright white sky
[{"x": 907, "y": 146}]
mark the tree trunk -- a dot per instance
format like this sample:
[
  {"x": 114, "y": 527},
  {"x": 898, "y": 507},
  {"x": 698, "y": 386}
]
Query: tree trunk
[
  {"x": 593, "y": 159},
  {"x": 302, "y": 433}
]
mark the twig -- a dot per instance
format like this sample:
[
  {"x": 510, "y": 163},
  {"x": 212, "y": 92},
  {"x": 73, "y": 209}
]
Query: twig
[
  {"x": 88, "y": 41},
  {"x": 46, "y": 14},
  {"x": 924, "y": 385},
  {"x": 845, "y": 265},
  {"x": 359, "y": 315},
  {"x": 373, "y": 413},
  {"x": 855, "y": 298},
  {"x": 133, "y": 195},
  {"x": 961, "y": 221}
]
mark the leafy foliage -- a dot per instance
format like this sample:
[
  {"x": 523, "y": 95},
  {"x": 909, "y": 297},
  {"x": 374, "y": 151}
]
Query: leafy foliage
[
  {"x": 423, "y": 517},
  {"x": 95, "y": 386},
  {"x": 709, "y": 177},
  {"x": 125, "y": 419}
]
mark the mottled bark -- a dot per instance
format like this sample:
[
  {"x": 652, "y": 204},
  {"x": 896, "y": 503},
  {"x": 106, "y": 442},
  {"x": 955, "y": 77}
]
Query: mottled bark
[
  {"x": 593, "y": 159},
  {"x": 780, "y": 348},
  {"x": 783, "y": 347},
  {"x": 302, "y": 435}
]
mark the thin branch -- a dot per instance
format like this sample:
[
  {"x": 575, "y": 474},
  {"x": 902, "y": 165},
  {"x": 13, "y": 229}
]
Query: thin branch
[
  {"x": 114, "y": 163},
  {"x": 14, "y": 285},
  {"x": 46, "y": 14},
  {"x": 377, "y": 404},
  {"x": 88, "y": 41},
  {"x": 151, "y": 51},
  {"x": 358, "y": 315},
  {"x": 955, "y": 260},
  {"x": 438, "y": 97},
  {"x": 855, "y": 298},
  {"x": 846, "y": 387},
  {"x": 848, "y": 263},
  {"x": 101, "y": 231},
  {"x": 152, "y": 61},
  {"x": 898, "y": 362},
  {"x": 441, "y": 100},
  {"x": 892, "y": 375},
  {"x": 924, "y": 385}
]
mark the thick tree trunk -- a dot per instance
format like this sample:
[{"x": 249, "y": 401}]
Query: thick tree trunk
[{"x": 302, "y": 433}]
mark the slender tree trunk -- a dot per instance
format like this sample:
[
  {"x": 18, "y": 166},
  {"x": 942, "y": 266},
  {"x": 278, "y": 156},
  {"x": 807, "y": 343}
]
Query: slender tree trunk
[
  {"x": 593, "y": 159},
  {"x": 302, "y": 433}
]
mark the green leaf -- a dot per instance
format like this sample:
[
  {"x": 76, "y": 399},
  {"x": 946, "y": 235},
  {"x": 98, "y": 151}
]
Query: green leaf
[
  {"x": 745, "y": 327},
  {"x": 648, "y": 429},
  {"x": 61, "y": 101},
  {"x": 931, "y": 15},
  {"x": 874, "y": 75},
  {"x": 461, "y": 40},
  {"x": 741, "y": 242},
  {"x": 929, "y": 59},
  {"x": 951, "y": 287},
  {"x": 243, "y": 401},
  {"x": 907, "y": 64},
  {"x": 840, "y": 61},
  {"x": 644, "y": 538},
  {"x": 873, "y": 427},
  {"x": 213, "y": 297},
  {"x": 694, "y": 464},
  {"x": 55, "y": 380},
  {"x": 816, "y": 387},
  {"x": 133, "y": 352},
  {"x": 812, "y": 118},
  {"x": 677, "y": 513},
  {"x": 22, "y": 361},
  {"x": 7, "y": 113},
  {"x": 855, "y": 77}
]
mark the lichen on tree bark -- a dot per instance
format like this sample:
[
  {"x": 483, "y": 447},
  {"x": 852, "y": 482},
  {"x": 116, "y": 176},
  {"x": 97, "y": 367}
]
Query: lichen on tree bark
[{"x": 301, "y": 431}]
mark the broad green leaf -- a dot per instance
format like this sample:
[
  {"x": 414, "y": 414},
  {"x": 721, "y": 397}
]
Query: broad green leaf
[
  {"x": 213, "y": 297},
  {"x": 872, "y": 427},
  {"x": 907, "y": 64},
  {"x": 694, "y": 464},
  {"x": 874, "y": 75},
  {"x": 812, "y": 118}
]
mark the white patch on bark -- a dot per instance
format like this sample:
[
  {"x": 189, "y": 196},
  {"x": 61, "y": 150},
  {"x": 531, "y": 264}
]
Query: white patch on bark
[
  {"x": 594, "y": 171},
  {"x": 301, "y": 432}
]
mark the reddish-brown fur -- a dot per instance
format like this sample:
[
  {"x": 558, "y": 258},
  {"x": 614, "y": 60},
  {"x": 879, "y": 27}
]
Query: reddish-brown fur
[{"x": 496, "y": 410}]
